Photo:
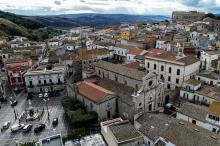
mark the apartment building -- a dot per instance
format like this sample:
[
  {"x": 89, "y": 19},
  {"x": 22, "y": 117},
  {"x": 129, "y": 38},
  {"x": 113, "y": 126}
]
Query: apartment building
[{"x": 174, "y": 69}]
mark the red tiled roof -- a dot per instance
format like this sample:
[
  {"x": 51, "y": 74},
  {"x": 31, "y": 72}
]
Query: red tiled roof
[
  {"x": 91, "y": 91},
  {"x": 135, "y": 51}
]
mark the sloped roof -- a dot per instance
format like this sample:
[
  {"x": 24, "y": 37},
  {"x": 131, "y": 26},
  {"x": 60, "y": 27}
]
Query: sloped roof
[
  {"x": 122, "y": 70},
  {"x": 124, "y": 92},
  {"x": 179, "y": 132},
  {"x": 135, "y": 51},
  {"x": 92, "y": 91}
]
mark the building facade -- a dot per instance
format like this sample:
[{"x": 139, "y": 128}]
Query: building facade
[
  {"x": 172, "y": 68},
  {"x": 45, "y": 79}
]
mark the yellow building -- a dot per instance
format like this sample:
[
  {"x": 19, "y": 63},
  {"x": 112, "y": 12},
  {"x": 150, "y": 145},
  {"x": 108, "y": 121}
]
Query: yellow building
[
  {"x": 125, "y": 35},
  {"x": 217, "y": 44}
]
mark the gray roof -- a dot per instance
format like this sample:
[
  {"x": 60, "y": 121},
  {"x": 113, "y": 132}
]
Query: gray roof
[
  {"x": 122, "y": 70},
  {"x": 210, "y": 75},
  {"x": 197, "y": 112},
  {"x": 124, "y": 132},
  {"x": 176, "y": 131},
  {"x": 188, "y": 60},
  {"x": 124, "y": 92}
]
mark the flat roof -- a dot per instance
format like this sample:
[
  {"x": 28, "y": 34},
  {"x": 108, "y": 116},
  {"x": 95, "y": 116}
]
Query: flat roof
[{"x": 124, "y": 131}]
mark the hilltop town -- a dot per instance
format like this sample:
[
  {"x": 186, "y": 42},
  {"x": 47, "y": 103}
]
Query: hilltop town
[{"x": 130, "y": 85}]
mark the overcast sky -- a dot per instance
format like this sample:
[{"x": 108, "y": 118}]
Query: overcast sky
[{"x": 145, "y": 7}]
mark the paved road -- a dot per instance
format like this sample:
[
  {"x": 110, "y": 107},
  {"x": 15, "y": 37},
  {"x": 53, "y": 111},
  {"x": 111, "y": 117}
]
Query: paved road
[{"x": 55, "y": 110}]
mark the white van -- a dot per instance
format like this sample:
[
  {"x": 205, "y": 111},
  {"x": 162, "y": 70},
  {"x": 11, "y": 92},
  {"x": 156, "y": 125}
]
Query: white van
[{"x": 16, "y": 127}]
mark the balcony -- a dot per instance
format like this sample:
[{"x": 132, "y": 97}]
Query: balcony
[{"x": 188, "y": 90}]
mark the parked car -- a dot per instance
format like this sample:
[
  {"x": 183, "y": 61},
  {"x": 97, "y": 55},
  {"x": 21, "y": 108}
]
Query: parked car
[
  {"x": 13, "y": 102},
  {"x": 40, "y": 95},
  {"x": 27, "y": 128},
  {"x": 46, "y": 95},
  {"x": 55, "y": 121},
  {"x": 39, "y": 128},
  {"x": 16, "y": 127},
  {"x": 6, "y": 125}
]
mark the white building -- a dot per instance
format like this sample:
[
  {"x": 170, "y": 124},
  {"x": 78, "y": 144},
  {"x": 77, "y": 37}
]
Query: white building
[
  {"x": 134, "y": 52},
  {"x": 207, "y": 57},
  {"x": 173, "y": 69},
  {"x": 193, "y": 90},
  {"x": 161, "y": 44},
  {"x": 45, "y": 79},
  {"x": 209, "y": 77}
]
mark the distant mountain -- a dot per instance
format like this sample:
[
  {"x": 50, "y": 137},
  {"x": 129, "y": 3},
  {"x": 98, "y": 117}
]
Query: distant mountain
[
  {"x": 67, "y": 21},
  {"x": 12, "y": 25}
]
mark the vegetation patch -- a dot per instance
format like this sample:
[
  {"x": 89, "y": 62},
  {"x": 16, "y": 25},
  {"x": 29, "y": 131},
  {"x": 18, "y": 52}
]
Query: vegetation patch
[{"x": 76, "y": 112}]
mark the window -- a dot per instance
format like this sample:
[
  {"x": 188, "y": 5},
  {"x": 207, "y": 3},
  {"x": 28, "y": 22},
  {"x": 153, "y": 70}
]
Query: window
[
  {"x": 91, "y": 105},
  {"x": 194, "y": 121},
  {"x": 161, "y": 77},
  {"x": 50, "y": 80},
  {"x": 150, "y": 83},
  {"x": 169, "y": 78},
  {"x": 162, "y": 68},
  {"x": 136, "y": 86},
  {"x": 155, "y": 66},
  {"x": 45, "y": 81},
  {"x": 177, "y": 81},
  {"x": 140, "y": 104},
  {"x": 178, "y": 71},
  {"x": 99, "y": 72},
  {"x": 39, "y": 81},
  {"x": 58, "y": 80},
  {"x": 148, "y": 65},
  {"x": 170, "y": 70},
  {"x": 168, "y": 86},
  {"x": 30, "y": 83}
]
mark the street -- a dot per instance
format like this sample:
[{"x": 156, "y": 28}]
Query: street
[{"x": 55, "y": 110}]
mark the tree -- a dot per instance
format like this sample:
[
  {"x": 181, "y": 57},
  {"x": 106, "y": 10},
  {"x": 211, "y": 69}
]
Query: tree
[{"x": 210, "y": 15}]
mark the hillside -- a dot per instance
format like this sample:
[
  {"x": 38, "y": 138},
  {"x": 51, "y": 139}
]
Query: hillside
[
  {"x": 19, "y": 20},
  {"x": 67, "y": 21},
  {"x": 9, "y": 28},
  {"x": 16, "y": 25}
]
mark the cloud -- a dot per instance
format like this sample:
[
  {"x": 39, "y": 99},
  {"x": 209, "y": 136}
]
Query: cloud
[
  {"x": 158, "y": 7},
  {"x": 57, "y": 2}
]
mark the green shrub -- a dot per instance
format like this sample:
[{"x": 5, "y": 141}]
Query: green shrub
[{"x": 28, "y": 144}]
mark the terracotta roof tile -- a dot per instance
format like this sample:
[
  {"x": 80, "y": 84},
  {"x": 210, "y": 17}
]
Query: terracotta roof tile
[
  {"x": 135, "y": 51},
  {"x": 91, "y": 91}
]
